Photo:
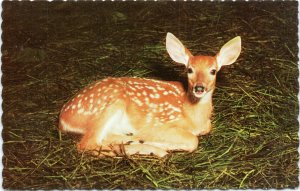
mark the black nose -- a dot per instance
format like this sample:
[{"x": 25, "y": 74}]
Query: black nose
[{"x": 199, "y": 89}]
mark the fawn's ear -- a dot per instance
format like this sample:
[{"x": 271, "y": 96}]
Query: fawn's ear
[
  {"x": 229, "y": 52},
  {"x": 176, "y": 50}
]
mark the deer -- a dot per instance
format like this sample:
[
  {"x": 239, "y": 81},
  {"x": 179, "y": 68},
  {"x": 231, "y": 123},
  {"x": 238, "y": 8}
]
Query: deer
[{"x": 139, "y": 116}]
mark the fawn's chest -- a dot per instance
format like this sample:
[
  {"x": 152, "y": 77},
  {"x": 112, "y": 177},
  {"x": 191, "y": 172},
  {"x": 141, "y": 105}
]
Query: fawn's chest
[{"x": 199, "y": 116}]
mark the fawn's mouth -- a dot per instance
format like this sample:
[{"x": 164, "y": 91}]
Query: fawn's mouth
[
  {"x": 199, "y": 91},
  {"x": 196, "y": 94},
  {"x": 199, "y": 94}
]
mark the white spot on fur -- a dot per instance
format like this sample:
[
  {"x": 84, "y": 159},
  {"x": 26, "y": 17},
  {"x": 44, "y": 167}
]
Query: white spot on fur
[
  {"x": 160, "y": 88},
  {"x": 79, "y": 111},
  {"x": 153, "y": 105},
  {"x": 137, "y": 101},
  {"x": 95, "y": 110},
  {"x": 148, "y": 117},
  {"x": 171, "y": 117}
]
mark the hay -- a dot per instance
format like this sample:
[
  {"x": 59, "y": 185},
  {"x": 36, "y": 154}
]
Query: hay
[{"x": 51, "y": 50}]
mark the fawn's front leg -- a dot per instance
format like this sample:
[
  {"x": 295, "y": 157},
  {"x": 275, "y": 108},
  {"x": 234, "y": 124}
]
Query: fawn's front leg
[
  {"x": 170, "y": 138},
  {"x": 206, "y": 128}
]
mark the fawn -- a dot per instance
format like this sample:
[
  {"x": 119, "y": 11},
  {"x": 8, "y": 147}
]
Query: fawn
[{"x": 131, "y": 115}]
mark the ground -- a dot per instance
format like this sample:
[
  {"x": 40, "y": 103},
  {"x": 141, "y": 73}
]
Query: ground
[{"x": 53, "y": 49}]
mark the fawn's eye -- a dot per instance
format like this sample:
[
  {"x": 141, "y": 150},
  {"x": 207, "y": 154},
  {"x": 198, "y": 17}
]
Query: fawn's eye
[
  {"x": 190, "y": 70},
  {"x": 213, "y": 72}
]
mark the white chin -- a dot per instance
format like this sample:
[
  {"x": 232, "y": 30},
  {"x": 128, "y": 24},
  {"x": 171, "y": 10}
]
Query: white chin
[{"x": 199, "y": 95}]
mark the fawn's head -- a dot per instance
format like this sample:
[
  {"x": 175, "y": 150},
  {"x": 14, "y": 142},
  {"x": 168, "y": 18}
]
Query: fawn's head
[{"x": 202, "y": 70}]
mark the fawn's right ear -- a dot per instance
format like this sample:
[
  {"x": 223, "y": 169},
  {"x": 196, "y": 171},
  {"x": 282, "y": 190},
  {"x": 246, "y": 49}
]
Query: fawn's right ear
[
  {"x": 229, "y": 52},
  {"x": 176, "y": 50}
]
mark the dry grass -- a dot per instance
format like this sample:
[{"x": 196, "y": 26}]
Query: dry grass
[{"x": 51, "y": 50}]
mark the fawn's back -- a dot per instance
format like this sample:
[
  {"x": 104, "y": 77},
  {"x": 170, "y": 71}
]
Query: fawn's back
[{"x": 148, "y": 102}]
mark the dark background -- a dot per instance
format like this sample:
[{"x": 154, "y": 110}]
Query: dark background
[{"x": 53, "y": 49}]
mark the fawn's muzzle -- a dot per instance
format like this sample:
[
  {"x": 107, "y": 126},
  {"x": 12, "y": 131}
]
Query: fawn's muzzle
[{"x": 199, "y": 89}]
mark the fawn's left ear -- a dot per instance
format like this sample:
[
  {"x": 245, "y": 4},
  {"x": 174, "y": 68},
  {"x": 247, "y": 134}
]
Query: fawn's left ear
[
  {"x": 176, "y": 50},
  {"x": 229, "y": 52}
]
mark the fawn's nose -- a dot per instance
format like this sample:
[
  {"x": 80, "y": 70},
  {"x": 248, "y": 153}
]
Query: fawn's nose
[{"x": 199, "y": 89}]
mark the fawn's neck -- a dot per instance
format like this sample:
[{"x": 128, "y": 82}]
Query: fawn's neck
[{"x": 199, "y": 112}]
